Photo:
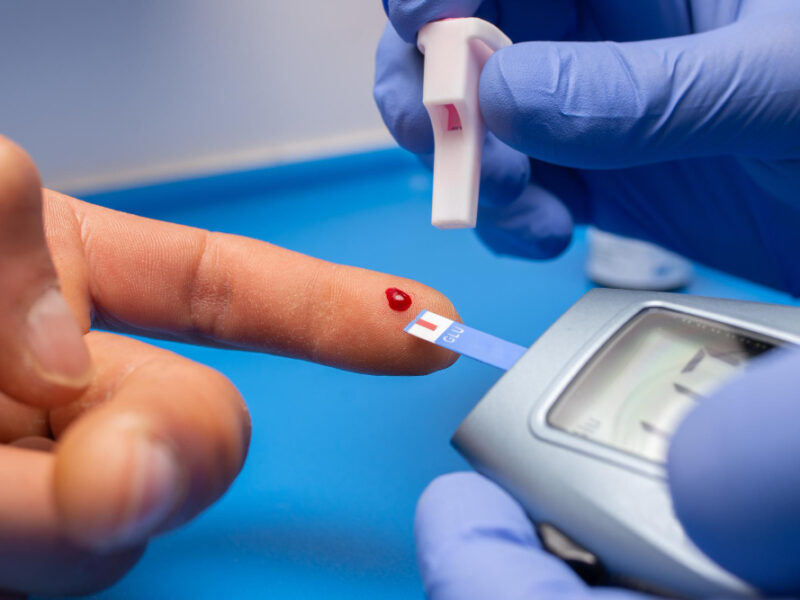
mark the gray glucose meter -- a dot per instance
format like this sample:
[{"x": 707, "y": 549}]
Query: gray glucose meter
[{"x": 578, "y": 429}]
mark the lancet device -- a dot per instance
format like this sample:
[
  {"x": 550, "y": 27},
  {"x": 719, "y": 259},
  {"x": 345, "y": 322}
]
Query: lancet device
[
  {"x": 455, "y": 51},
  {"x": 578, "y": 429}
]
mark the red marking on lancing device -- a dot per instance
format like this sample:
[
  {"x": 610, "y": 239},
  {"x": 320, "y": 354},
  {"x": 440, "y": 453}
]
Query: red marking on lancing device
[
  {"x": 453, "y": 120},
  {"x": 398, "y": 299},
  {"x": 426, "y": 325}
]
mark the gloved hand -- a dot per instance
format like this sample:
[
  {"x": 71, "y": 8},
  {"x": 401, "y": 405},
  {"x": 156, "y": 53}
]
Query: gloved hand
[
  {"x": 734, "y": 483},
  {"x": 106, "y": 441},
  {"x": 675, "y": 121}
]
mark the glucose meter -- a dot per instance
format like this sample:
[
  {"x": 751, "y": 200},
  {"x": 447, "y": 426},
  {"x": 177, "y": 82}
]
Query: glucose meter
[{"x": 577, "y": 430}]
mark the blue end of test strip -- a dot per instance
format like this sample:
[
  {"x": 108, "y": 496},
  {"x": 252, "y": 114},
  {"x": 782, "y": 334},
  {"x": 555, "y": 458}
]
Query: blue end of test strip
[{"x": 465, "y": 340}]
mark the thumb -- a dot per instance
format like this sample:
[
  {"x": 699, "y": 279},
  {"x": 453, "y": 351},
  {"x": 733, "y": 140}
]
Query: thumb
[
  {"x": 43, "y": 359},
  {"x": 734, "y": 478},
  {"x": 732, "y": 90},
  {"x": 474, "y": 542}
]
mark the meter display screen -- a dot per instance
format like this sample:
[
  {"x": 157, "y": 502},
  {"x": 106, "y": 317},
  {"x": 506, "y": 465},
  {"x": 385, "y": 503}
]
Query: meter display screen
[{"x": 635, "y": 391}]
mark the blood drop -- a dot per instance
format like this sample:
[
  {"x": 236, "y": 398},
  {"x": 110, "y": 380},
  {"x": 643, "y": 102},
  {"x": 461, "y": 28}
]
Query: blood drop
[{"x": 398, "y": 299}]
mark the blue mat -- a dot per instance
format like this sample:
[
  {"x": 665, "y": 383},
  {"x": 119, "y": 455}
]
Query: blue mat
[{"x": 324, "y": 506}]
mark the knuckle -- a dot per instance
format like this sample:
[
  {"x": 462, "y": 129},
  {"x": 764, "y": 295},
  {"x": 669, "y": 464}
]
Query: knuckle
[{"x": 209, "y": 290}]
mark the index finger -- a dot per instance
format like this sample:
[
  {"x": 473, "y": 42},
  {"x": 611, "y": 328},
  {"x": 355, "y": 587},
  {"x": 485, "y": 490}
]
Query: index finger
[
  {"x": 159, "y": 279},
  {"x": 408, "y": 17}
]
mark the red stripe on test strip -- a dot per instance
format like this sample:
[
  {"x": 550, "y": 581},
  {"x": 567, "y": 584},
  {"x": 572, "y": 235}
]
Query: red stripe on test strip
[{"x": 426, "y": 324}]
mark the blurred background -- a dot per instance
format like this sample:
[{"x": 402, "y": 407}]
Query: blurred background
[
  {"x": 256, "y": 117},
  {"x": 109, "y": 94}
]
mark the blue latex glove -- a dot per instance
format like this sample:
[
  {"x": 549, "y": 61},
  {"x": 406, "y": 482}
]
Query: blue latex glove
[
  {"x": 684, "y": 130},
  {"x": 739, "y": 502}
]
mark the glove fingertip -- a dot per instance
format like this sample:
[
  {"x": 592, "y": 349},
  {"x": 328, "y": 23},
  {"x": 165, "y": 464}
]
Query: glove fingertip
[
  {"x": 408, "y": 17},
  {"x": 475, "y": 541},
  {"x": 732, "y": 478},
  {"x": 473, "y": 493},
  {"x": 412, "y": 131},
  {"x": 457, "y": 505}
]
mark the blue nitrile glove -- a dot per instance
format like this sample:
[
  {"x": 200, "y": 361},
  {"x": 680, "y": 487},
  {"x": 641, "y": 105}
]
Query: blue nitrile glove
[
  {"x": 735, "y": 485},
  {"x": 684, "y": 130}
]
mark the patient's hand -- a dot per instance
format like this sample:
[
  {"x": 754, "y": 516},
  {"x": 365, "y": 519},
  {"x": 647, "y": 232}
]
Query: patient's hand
[{"x": 108, "y": 441}]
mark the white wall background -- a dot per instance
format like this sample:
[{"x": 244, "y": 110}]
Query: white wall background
[{"x": 106, "y": 93}]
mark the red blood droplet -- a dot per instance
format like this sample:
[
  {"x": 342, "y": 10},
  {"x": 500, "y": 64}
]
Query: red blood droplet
[{"x": 398, "y": 299}]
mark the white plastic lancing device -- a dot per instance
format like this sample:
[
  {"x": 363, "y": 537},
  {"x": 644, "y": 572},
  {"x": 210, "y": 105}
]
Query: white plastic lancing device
[{"x": 455, "y": 51}]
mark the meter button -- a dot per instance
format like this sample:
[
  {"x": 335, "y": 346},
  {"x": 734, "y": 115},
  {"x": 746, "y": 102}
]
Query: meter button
[{"x": 583, "y": 562}]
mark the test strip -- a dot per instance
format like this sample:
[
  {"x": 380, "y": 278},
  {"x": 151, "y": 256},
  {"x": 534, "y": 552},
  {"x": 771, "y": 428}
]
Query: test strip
[{"x": 465, "y": 340}]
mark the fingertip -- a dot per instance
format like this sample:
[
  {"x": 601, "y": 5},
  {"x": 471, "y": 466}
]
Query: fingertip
[
  {"x": 56, "y": 346},
  {"x": 167, "y": 445},
  {"x": 115, "y": 487},
  {"x": 402, "y": 21},
  {"x": 409, "y": 17},
  {"x": 498, "y": 102},
  {"x": 357, "y": 326},
  {"x": 561, "y": 102},
  {"x": 19, "y": 176},
  {"x": 521, "y": 93},
  {"x": 43, "y": 359},
  {"x": 414, "y": 356}
]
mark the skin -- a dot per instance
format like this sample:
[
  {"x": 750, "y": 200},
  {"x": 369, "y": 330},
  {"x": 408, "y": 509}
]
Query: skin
[{"x": 71, "y": 438}]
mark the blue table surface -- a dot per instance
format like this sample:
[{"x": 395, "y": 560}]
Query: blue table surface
[{"x": 325, "y": 503}]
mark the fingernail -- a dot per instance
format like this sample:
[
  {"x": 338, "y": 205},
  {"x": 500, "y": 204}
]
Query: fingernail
[
  {"x": 56, "y": 342},
  {"x": 154, "y": 493}
]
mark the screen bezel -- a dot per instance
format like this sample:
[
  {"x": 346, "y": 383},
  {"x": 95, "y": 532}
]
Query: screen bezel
[
  {"x": 537, "y": 421},
  {"x": 644, "y": 323}
]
